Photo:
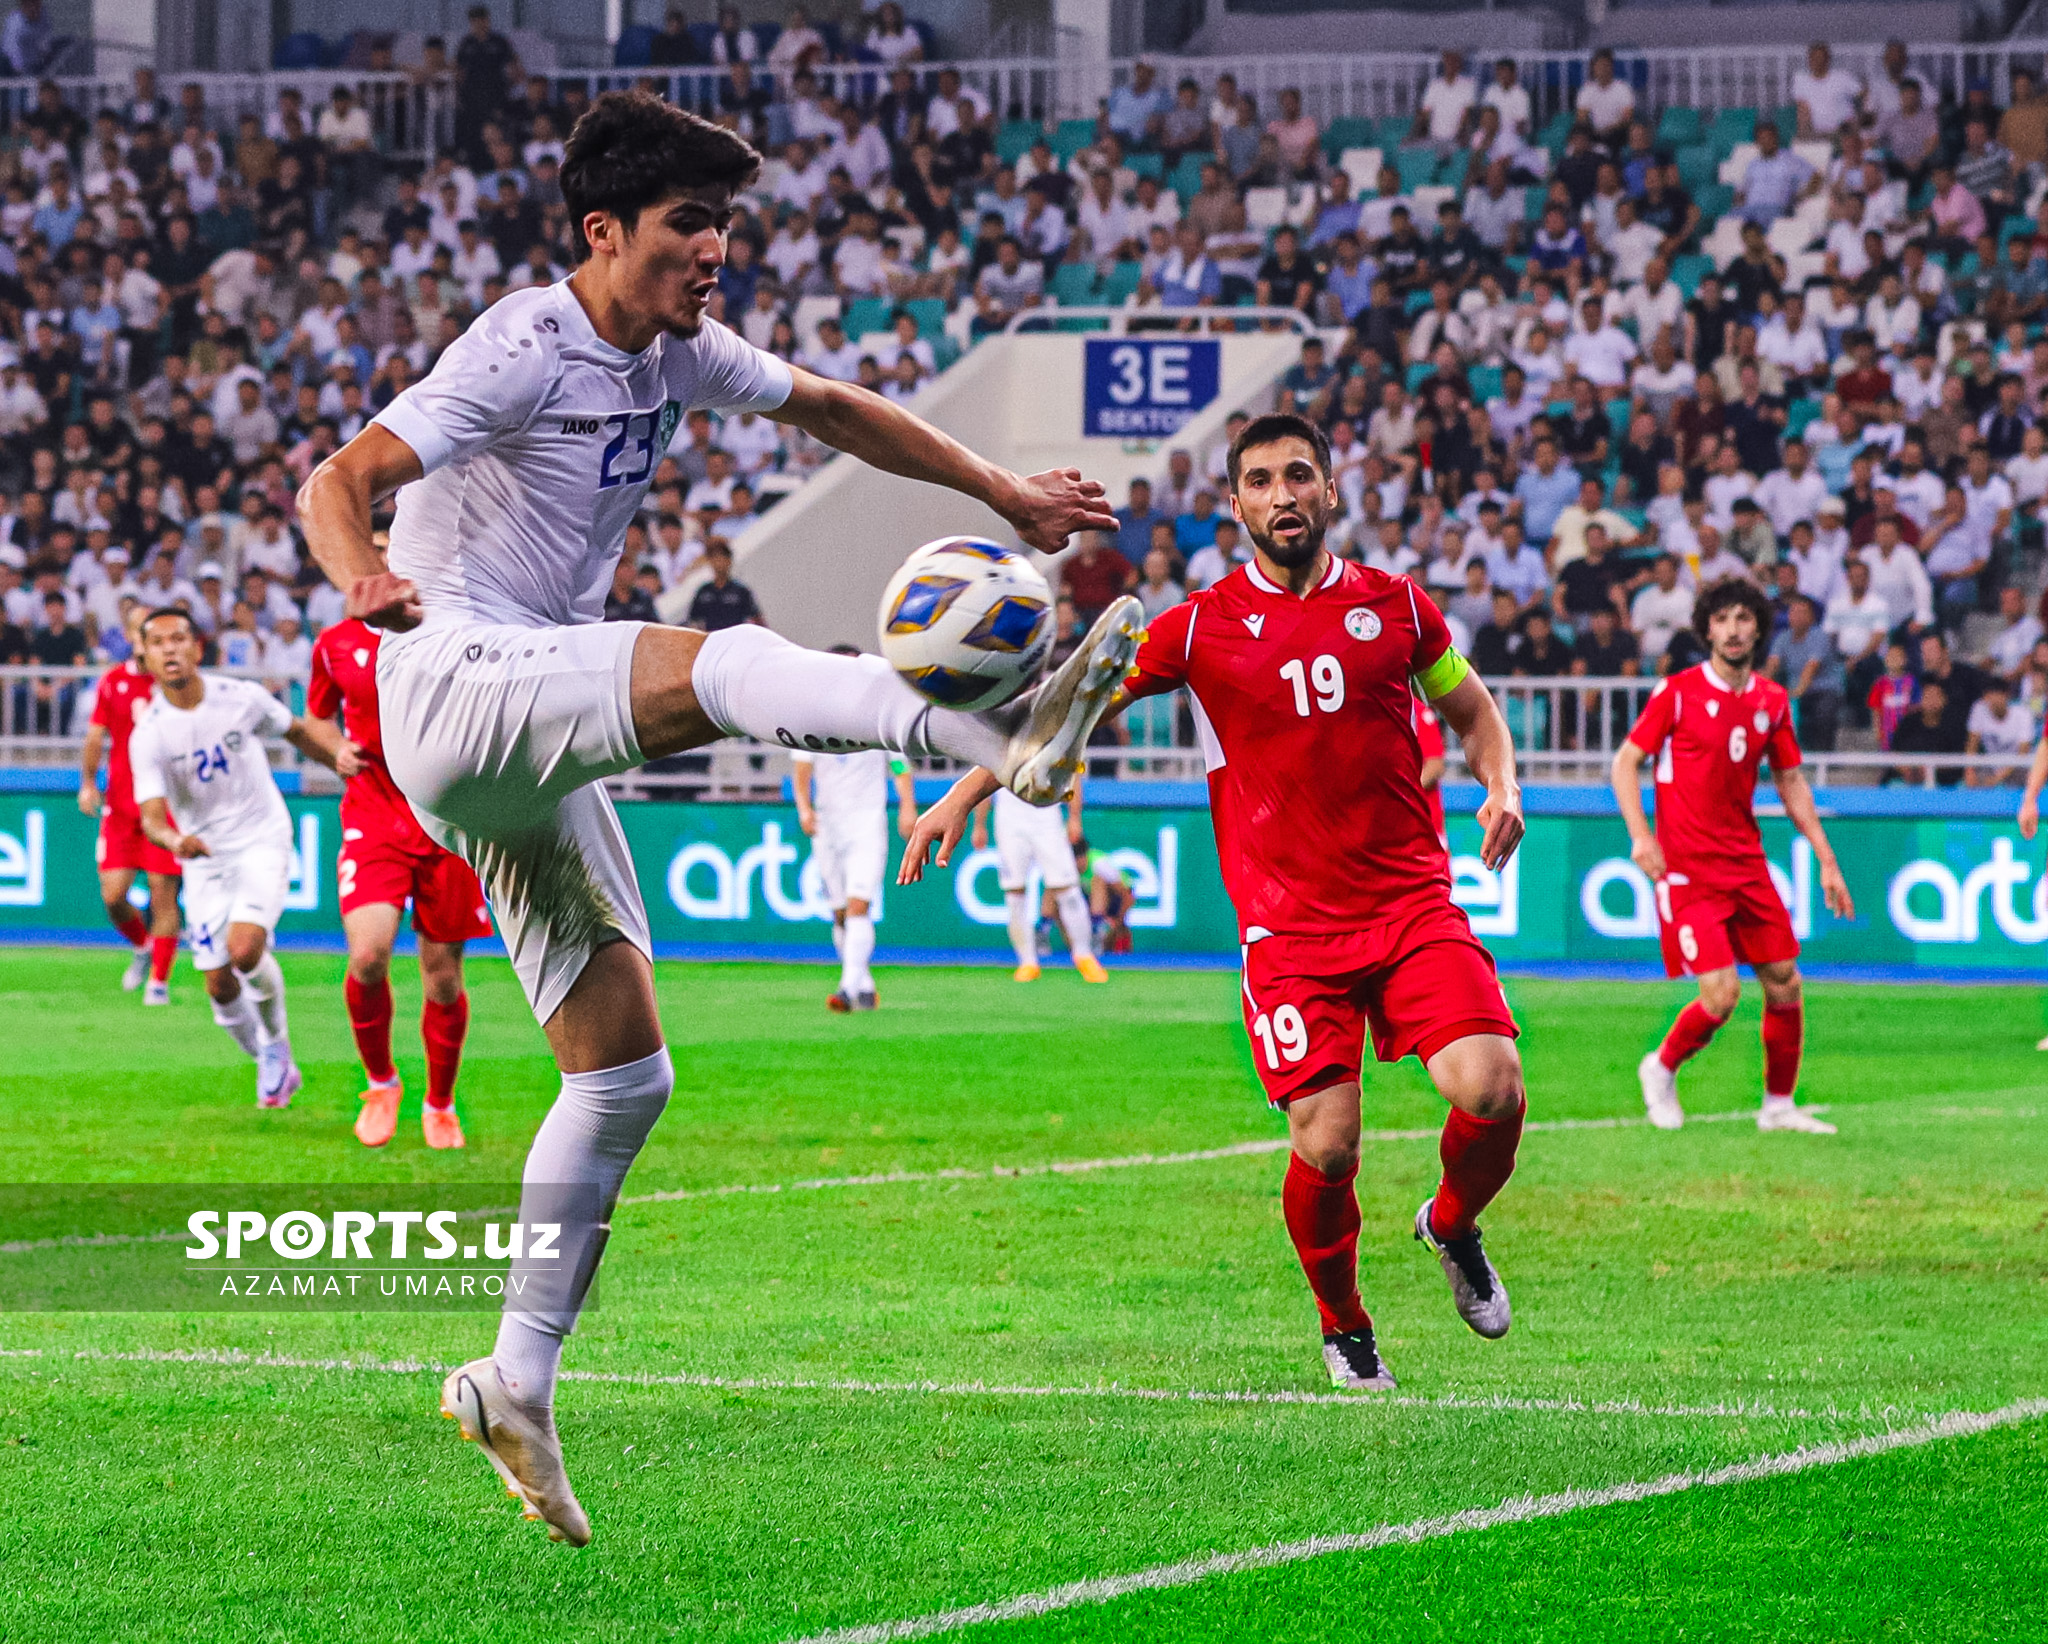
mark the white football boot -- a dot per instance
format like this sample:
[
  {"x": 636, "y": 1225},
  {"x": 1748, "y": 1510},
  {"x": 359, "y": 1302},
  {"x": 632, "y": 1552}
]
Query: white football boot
[
  {"x": 1049, "y": 727},
  {"x": 1660, "y": 1093},
  {"x": 1791, "y": 1116},
  {"x": 1476, "y": 1289},
  {"x": 520, "y": 1446},
  {"x": 137, "y": 972}
]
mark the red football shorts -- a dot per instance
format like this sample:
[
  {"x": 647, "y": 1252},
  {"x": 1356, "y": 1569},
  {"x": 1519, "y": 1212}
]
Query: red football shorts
[
  {"x": 1421, "y": 980},
  {"x": 377, "y": 867},
  {"x": 1703, "y": 930},
  {"x": 123, "y": 845}
]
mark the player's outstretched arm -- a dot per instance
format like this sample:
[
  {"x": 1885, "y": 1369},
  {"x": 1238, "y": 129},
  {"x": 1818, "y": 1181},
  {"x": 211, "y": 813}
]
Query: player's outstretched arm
[
  {"x": 1804, "y": 815},
  {"x": 1625, "y": 775},
  {"x": 321, "y": 741},
  {"x": 89, "y": 769},
  {"x": 1044, "y": 509},
  {"x": 334, "y": 512},
  {"x": 156, "y": 824},
  {"x": 944, "y": 824},
  {"x": 1469, "y": 709},
  {"x": 2030, "y": 796}
]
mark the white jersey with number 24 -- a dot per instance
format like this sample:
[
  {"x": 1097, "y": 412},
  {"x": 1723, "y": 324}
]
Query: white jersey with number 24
[{"x": 209, "y": 762}]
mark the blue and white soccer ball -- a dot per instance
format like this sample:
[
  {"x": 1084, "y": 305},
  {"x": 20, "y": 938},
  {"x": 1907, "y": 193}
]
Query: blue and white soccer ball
[{"x": 967, "y": 622}]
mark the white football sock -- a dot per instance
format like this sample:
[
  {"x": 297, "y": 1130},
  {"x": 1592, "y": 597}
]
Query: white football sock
[
  {"x": 265, "y": 984},
  {"x": 854, "y": 975},
  {"x": 1074, "y": 920},
  {"x": 590, "y": 1137},
  {"x": 751, "y": 682},
  {"x": 528, "y": 1360},
  {"x": 839, "y": 937},
  {"x": 238, "y": 1016},
  {"x": 1023, "y": 929}
]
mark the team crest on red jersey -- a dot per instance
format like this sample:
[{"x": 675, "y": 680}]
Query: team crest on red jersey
[
  {"x": 1362, "y": 623},
  {"x": 1763, "y": 720}
]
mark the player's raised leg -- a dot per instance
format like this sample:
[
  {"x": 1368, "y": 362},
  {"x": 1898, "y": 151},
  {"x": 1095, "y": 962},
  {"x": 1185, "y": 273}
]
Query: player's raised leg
[
  {"x": 1480, "y": 1075},
  {"x": 372, "y": 930},
  {"x": 1688, "y": 1035},
  {"x": 1784, "y": 1034}
]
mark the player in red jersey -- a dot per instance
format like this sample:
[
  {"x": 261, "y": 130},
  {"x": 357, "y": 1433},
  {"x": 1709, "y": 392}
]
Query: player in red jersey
[
  {"x": 1299, "y": 665},
  {"x": 122, "y": 849},
  {"x": 1710, "y": 728},
  {"x": 386, "y": 859}
]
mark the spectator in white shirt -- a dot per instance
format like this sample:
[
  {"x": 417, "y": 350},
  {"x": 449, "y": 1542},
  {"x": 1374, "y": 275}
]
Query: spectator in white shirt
[
  {"x": 1599, "y": 350},
  {"x": 1509, "y": 97},
  {"x": 1792, "y": 493},
  {"x": 1857, "y": 620},
  {"x": 1728, "y": 481},
  {"x": 860, "y": 150},
  {"x": 1893, "y": 319},
  {"x": 1605, "y": 102},
  {"x": 1793, "y": 343},
  {"x": 1817, "y": 564},
  {"x": 1661, "y": 609},
  {"x": 1919, "y": 492},
  {"x": 753, "y": 440},
  {"x": 1827, "y": 98},
  {"x": 1446, "y": 102},
  {"x": 1898, "y": 578},
  {"x": 832, "y": 356},
  {"x": 1999, "y": 725},
  {"x": 2015, "y": 642}
]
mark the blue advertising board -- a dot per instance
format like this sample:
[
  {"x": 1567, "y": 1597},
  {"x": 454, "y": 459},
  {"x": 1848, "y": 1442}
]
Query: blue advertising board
[{"x": 1146, "y": 388}]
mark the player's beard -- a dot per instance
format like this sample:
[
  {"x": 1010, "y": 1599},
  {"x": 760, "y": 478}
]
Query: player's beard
[{"x": 1302, "y": 550}]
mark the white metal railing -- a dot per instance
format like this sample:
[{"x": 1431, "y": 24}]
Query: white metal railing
[
  {"x": 1120, "y": 320},
  {"x": 1564, "y": 730},
  {"x": 410, "y": 118}
]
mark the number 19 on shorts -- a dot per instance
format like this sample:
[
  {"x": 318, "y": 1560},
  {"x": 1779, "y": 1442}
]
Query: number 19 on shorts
[{"x": 1283, "y": 1036}]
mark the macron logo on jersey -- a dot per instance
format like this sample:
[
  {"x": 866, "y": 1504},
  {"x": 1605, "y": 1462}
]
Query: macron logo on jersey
[{"x": 1256, "y": 624}]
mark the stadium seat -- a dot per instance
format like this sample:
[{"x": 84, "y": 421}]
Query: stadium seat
[
  {"x": 931, "y": 316},
  {"x": 1071, "y": 137},
  {"x": 1362, "y": 166},
  {"x": 1554, "y": 130},
  {"x": 1426, "y": 201},
  {"x": 1737, "y": 162},
  {"x": 1265, "y": 209},
  {"x": 1417, "y": 167},
  {"x": 1789, "y": 236},
  {"x": 1014, "y": 139},
  {"x": 1732, "y": 126},
  {"x": 1456, "y": 171},
  {"x": 1122, "y": 283},
  {"x": 304, "y": 50},
  {"x": 1786, "y": 119},
  {"x": 1415, "y": 303},
  {"x": 1798, "y": 415},
  {"x": 1714, "y": 200},
  {"x": 1393, "y": 130},
  {"x": 865, "y": 315},
  {"x": 1680, "y": 127},
  {"x": 1147, "y": 165},
  {"x": 1723, "y": 243},
  {"x": 1074, "y": 284},
  {"x": 1688, "y": 270},
  {"x": 1484, "y": 381},
  {"x": 1186, "y": 180},
  {"x": 1348, "y": 132},
  {"x": 1419, "y": 372},
  {"x": 634, "y": 47},
  {"x": 1817, "y": 153},
  {"x": 1696, "y": 166}
]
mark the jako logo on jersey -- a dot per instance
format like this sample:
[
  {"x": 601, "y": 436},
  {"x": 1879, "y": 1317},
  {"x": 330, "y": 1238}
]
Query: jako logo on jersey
[
  {"x": 580, "y": 425},
  {"x": 1360, "y": 623},
  {"x": 1256, "y": 624}
]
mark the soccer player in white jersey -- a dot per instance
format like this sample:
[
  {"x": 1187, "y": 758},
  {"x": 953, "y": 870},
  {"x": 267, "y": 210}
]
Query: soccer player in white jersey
[
  {"x": 842, "y": 804},
  {"x": 1026, "y": 838},
  {"x": 518, "y": 462},
  {"x": 198, "y": 754}
]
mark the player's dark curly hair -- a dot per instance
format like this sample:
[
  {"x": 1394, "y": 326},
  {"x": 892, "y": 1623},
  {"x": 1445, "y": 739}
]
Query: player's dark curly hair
[
  {"x": 1278, "y": 425},
  {"x": 631, "y": 150},
  {"x": 1718, "y": 596}
]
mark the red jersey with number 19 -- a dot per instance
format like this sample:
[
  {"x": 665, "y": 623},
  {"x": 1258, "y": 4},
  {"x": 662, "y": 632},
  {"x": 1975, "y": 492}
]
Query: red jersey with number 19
[
  {"x": 1709, "y": 743},
  {"x": 1306, "y": 724}
]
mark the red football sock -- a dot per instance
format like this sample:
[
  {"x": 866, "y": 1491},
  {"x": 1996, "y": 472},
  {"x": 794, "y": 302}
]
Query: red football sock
[
  {"x": 162, "y": 950},
  {"x": 1689, "y": 1035},
  {"x": 369, "y": 1017},
  {"x": 129, "y": 922},
  {"x": 443, "y": 1028},
  {"x": 1784, "y": 1030},
  {"x": 1322, "y": 1220},
  {"x": 1479, "y": 1157}
]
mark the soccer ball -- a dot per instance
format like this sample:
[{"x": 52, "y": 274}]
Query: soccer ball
[{"x": 967, "y": 622}]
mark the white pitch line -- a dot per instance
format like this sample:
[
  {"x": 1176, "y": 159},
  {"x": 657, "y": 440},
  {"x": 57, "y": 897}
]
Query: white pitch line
[
  {"x": 235, "y": 1358},
  {"x": 1517, "y": 1510}
]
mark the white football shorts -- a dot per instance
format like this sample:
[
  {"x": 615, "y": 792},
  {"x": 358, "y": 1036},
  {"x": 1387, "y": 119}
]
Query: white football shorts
[
  {"x": 244, "y": 887},
  {"x": 852, "y": 854},
  {"x": 1028, "y": 835},
  {"x": 496, "y": 735}
]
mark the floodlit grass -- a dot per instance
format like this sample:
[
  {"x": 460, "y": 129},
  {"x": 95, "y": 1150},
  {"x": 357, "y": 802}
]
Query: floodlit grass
[{"x": 790, "y": 1478}]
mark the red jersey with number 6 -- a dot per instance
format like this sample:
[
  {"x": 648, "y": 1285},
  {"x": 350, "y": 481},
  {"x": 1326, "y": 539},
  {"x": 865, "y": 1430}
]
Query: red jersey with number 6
[
  {"x": 1306, "y": 722},
  {"x": 1709, "y": 742},
  {"x": 344, "y": 681}
]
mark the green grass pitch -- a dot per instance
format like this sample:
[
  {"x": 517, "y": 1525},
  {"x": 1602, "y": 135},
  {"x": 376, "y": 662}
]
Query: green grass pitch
[{"x": 891, "y": 1399}]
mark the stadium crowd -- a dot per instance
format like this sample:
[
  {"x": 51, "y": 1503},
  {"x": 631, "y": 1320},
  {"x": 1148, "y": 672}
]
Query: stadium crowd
[{"x": 1577, "y": 377}]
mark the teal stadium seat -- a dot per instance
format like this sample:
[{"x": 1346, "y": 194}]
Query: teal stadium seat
[
  {"x": 1688, "y": 270},
  {"x": 1074, "y": 284},
  {"x": 1147, "y": 165},
  {"x": 1731, "y": 126},
  {"x": 931, "y": 316},
  {"x": 1186, "y": 180},
  {"x": 1417, "y": 167},
  {"x": 1680, "y": 127},
  {"x": 1697, "y": 166},
  {"x": 1390, "y": 133},
  {"x": 1484, "y": 381},
  {"x": 1071, "y": 137},
  {"x": 865, "y": 315},
  {"x": 1349, "y": 132},
  {"x": 1014, "y": 139},
  {"x": 1122, "y": 283},
  {"x": 1715, "y": 200}
]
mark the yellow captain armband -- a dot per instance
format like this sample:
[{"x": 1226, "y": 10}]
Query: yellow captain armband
[{"x": 1442, "y": 676}]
